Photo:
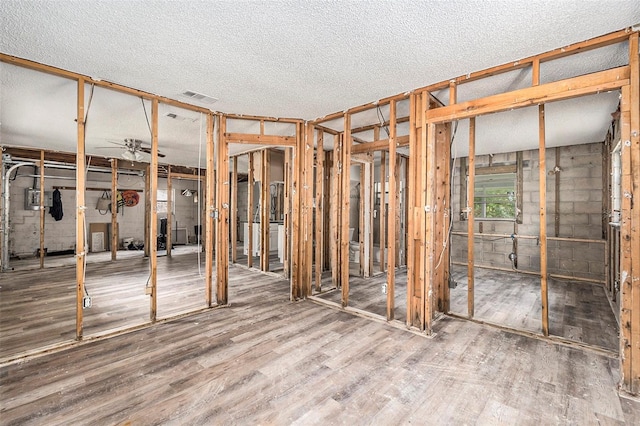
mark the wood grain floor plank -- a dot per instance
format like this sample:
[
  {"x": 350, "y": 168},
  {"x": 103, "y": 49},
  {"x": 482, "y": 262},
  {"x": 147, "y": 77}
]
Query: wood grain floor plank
[{"x": 265, "y": 360}]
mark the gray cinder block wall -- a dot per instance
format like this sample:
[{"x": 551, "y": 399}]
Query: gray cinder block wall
[
  {"x": 24, "y": 225},
  {"x": 581, "y": 215}
]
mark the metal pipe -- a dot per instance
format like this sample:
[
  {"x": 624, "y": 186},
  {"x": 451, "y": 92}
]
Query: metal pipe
[
  {"x": 5, "y": 213},
  {"x": 616, "y": 175}
]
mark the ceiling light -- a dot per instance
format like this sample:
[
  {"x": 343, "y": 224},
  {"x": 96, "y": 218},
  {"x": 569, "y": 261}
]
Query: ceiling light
[{"x": 132, "y": 156}]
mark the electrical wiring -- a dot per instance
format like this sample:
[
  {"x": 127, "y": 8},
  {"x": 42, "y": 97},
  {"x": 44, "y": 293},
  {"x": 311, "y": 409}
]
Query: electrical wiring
[
  {"x": 445, "y": 243},
  {"x": 382, "y": 120},
  {"x": 146, "y": 116}
]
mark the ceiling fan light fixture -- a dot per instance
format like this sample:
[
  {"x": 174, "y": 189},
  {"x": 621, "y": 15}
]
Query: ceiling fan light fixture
[{"x": 132, "y": 156}]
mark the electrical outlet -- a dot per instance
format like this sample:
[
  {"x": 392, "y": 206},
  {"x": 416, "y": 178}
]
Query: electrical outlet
[
  {"x": 148, "y": 291},
  {"x": 384, "y": 288},
  {"x": 86, "y": 302}
]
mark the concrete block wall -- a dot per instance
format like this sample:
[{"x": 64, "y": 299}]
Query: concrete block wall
[
  {"x": 580, "y": 215},
  {"x": 24, "y": 225}
]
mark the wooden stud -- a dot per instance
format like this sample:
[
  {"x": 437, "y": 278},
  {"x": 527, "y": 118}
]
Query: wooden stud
[
  {"x": 251, "y": 207},
  {"x": 535, "y": 72},
  {"x": 153, "y": 232},
  {"x": 234, "y": 211},
  {"x": 361, "y": 219},
  {"x": 430, "y": 223},
  {"x": 328, "y": 166},
  {"x": 147, "y": 210},
  {"x": 210, "y": 210},
  {"x": 634, "y": 64},
  {"x": 414, "y": 101},
  {"x": 81, "y": 248},
  {"x": 443, "y": 217},
  {"x": 393, "y": 207},
  {"x": 383, "y": 210},
  {"x": 288, "y": 164},
  {"x": 319, "y": 228},
  {"x": 370, "y": 201},
  {"x": 405, "y": 209},
  {"x": 297, "y": 285},
  {"x": 630, "y": 227},
  {"x": 308, "y": 208},
  {"x": 470, "y": 218},
  {"x": 222, "y": 206},
  {"x": 420, "y": 277},
  {"x": 41, "y": 208},
  {"x": 114, "y": 209},
  {"x": 334, "y": 206},
  {"x": 345, "y": 205},
  {"x": 626, "y": 255},
  {"x": 397, "y": 238},
  {"x": 169, "y": 235},
  {"x": 305, "y": 192},
  {"x": 543, "y": 221},
  {"x": 265, "y": 223}
]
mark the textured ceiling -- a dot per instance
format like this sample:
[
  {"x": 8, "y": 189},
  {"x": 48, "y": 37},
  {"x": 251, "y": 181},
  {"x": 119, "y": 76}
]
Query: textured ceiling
[{"x": 299, "y": 59}]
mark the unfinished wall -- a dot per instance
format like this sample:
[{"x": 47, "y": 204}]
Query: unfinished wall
[
  {"x": 24, "y": 235},
  {"x": 580, "y": 215}
]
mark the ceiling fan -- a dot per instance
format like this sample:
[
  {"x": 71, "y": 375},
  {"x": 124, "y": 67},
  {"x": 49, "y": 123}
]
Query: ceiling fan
[{"x": 133, "y": 148}]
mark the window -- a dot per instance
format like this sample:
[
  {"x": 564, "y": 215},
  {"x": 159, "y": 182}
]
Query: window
[
  {"x": 495, "y": 196},
  {"x": 162, "y": 201}
]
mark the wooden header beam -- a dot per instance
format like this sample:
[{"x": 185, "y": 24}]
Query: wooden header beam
[
  {"x": 559, "y": 90},
  {"x": 260, "y": 118},
  {"x": 251, "y": 138}
]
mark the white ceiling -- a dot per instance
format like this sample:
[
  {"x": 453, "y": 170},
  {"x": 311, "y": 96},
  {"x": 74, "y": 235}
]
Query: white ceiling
[{"x": 302, "y": 59}]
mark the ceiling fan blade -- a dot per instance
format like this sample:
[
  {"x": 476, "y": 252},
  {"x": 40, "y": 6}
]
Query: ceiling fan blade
[{"x": 148, "y": 151}]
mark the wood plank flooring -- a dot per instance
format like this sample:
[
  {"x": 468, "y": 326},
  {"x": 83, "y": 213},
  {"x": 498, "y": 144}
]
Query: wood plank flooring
[
  {"x": 366, "y": 294},
  {"x": 264, "y": 360},
  {"x": 37, "y": 307},
  {"x": 578, "y": 311}
]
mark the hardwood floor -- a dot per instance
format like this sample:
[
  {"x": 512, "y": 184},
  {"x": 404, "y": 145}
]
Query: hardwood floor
[
  {"x": 366, "y": 294},
  {"x": 37, "y": 307},
  {"x": 578, "y": 311},
  {"x": 265, "y": 360}
]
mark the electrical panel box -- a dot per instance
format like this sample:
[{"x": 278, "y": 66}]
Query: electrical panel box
[{"x": 32, "y": 199}]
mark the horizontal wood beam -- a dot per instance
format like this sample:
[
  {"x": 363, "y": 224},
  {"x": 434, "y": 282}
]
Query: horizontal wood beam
[
  {"x": 73, "y": 188},
  {"x": 259, "y": 118},
  {"x": 186, "y": 176},
  {"x": 491, "y": 170},
  {"x": 327, "y": 129},
  {"x": 381, "y": 145},
  {"x": 25, "y": 63},
  {"x": 372, "y": 126},
  {"x": 564, "y": 89},
  {"x": 261, "y": 139},
  {"x": 584, "y": 46}
]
